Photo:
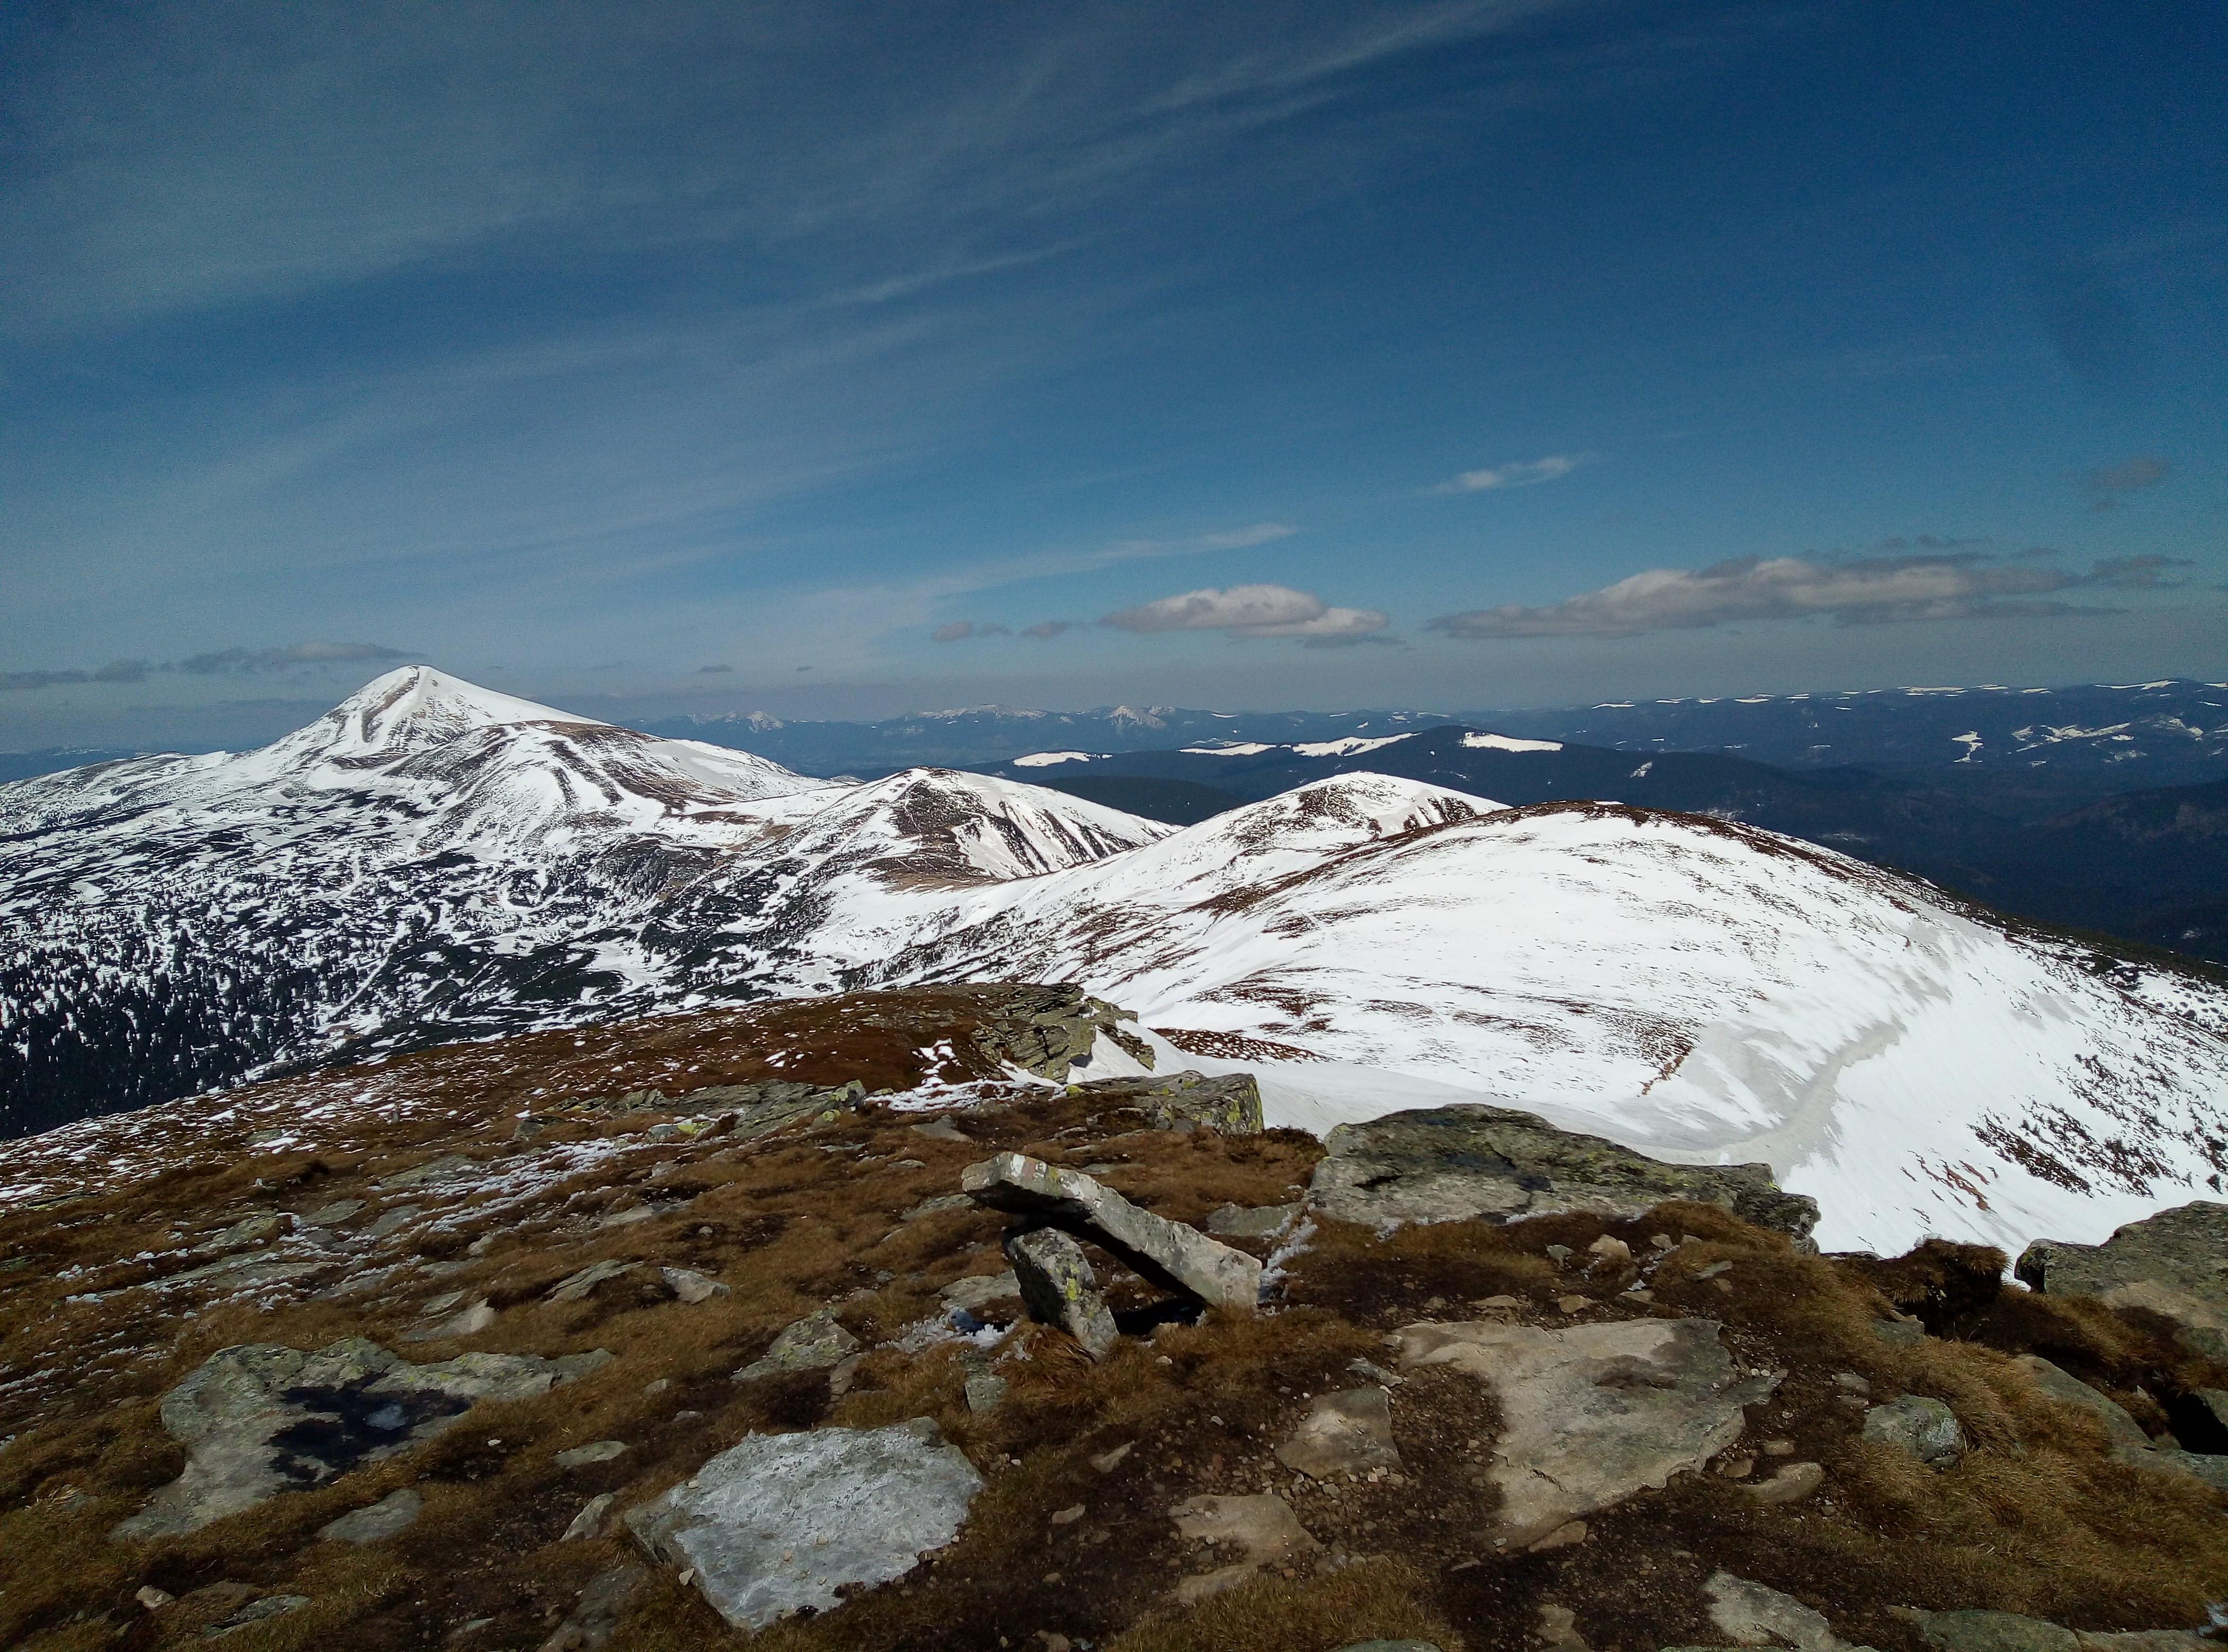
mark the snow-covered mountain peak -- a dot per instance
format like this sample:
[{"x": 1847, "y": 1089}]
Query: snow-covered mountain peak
[
  {"x": 941, "y": 823},
  {"x": 411, "y": 709}
]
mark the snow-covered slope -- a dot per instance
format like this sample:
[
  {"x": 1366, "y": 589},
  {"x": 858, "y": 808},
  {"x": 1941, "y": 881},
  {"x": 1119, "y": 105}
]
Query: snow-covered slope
[
  {"x": 431, "y": 861},
  {"x": 1696, "y": 990}
]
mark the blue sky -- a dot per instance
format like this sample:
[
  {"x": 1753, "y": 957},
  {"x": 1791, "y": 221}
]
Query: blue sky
[{"x": 845, "y": 360}]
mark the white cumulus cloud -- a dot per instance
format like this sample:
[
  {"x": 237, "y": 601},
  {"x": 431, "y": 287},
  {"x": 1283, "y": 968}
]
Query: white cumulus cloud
[
  {"x": 1865, "y": 591},
  {"x": 1248, "y": 611}
]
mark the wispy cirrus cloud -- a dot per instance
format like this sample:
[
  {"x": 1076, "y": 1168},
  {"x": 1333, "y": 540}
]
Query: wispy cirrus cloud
[
  {"x": 224, "y": 662},
  {"x": 1523, "y": 474},
  {"x": 114, "y": 671},
  {"x": 1863, "y": 591},
  {"x": 2108, "y": 484},
  {"x": 1234, "y": 539}
]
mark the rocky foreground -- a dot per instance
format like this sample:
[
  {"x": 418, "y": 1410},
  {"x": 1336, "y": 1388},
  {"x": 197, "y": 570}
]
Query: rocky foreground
[{"x": 880, "y": 1322}]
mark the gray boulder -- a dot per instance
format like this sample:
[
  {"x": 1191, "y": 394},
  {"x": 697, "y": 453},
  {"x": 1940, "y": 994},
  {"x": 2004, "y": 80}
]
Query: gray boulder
[
  {"x": 1471, "y": 1161},
  {"x": 259, "y": 1419},
  {"x": 396, "y": 1512},
  {"x": 814, "y": 1343},
  {"x": 2174, "y": 1264},
  {"x": 1169, "y": 1252},
  {"x": 1058, "y": 1289},
  {"x": 256, "y": 1611},
  {"x": 783, "y": 1522},
  {"x": 1592, "y": 1413},
  {"x": 1924, "y": 1428}
]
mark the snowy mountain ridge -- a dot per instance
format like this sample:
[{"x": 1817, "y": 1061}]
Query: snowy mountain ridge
[{"x": 429, "y": 862}]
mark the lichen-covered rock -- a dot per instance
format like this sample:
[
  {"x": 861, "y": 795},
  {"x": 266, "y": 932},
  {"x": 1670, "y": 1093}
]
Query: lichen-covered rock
[
  {"x": 1058, "y": 1289},
  {"x": 2174, "y": 1264},
  {"x": 259, "y": 1419},
  {"x": 1924, "y": 1428},
  {"x": 813, "y": 1343},
  {"x": 783, "y": 1522},
  {"x": 1471, "y": 1160},
  {"x": 1171, "y": 1252},
  {"x": 1592, "y": 1413},
  {"x": 1229, "y": 1103}
]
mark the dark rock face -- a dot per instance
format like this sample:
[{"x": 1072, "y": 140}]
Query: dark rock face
[
  {"x": 2174, "y": 1264},
  {"x": 1468, "y": 1161},
  {"x": 1231, "y": 1104}
]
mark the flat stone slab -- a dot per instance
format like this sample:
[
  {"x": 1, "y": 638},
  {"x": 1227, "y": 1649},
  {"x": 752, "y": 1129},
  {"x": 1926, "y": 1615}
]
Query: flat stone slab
[
  {"x": 1979, "y": 1631},
  {"x": 1473, "y": 1162},
  {"x": 1593, "y": 1413},
  {"x": 783, "y": 1522},
  {"x": 978, "y": 1290},
  {"x": 259, "y": 1419},
  {"x": 1263, "y": 1524},
  {"x": 1168, "y": 1252},
  {"x": 2174, "y": 1264},
  {"x": 1258, "y": 1221},
  {"x": 1343, "y": 1433}
]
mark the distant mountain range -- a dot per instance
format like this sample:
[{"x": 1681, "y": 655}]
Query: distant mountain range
[
  {"x": 431, "y": 862},
  {"x": 2099, "y": 737},
  {"x": 2150, "y": 866}
]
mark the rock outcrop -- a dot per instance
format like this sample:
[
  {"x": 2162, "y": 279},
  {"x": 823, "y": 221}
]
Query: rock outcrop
[
  {"x": 1168, "y": 1252},
  {"x": 1471, "y": 1160},
  {"x": 783, "y": 1521},
  {"x": 1592, "y": 1413},
  {"x": 259, "y": 1419},
  {"x": 1230, "y": 1104},
  {"x": 2174, "y": 1264}
]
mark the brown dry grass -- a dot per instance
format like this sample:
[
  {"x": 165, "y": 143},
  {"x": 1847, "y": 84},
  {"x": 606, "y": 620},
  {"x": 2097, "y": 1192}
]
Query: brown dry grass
[{"x": 2036, "y": 1518}]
